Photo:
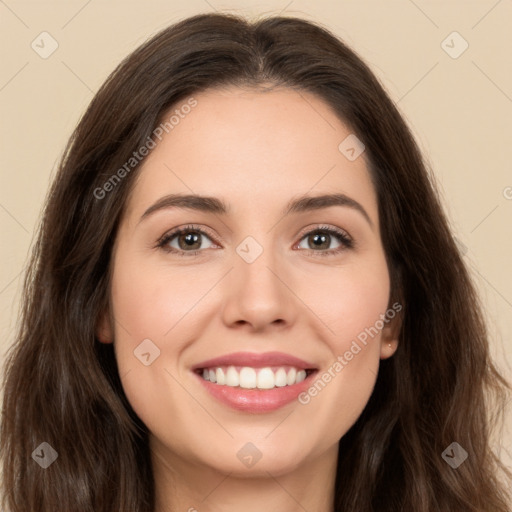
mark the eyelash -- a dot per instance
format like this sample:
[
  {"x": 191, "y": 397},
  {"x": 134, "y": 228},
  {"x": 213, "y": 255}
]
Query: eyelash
[{"x": 341, "y": 236}]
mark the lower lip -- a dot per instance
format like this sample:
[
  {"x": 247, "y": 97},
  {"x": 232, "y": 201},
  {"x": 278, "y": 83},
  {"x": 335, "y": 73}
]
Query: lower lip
[{"x": 256, "y": 400}]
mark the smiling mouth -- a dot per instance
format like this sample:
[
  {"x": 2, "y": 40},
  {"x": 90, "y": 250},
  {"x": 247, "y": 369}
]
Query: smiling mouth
[{"x": 247, "y": 377}]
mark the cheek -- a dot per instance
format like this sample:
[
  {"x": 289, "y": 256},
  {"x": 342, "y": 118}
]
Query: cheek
[
  {"x": 152, "y": 306},
  {"x": 351, "y": 308},
  {"x": 149, "y": 301},
  {"x": 350, "y": 302}
]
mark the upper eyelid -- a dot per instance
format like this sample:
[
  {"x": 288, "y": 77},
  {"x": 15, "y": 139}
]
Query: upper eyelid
[
  {"x": 173, "y": 232},
  {"x": 323, "y": 227}
]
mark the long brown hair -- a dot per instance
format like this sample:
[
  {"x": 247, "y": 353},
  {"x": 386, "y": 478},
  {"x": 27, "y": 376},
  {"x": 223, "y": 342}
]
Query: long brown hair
[{"x": 62, "y": 386}]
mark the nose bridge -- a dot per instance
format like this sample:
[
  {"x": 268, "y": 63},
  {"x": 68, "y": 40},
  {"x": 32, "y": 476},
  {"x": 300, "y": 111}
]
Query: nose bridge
[
  {"x": 256, "y": 290},
  {"x": 255, "y": 268}
]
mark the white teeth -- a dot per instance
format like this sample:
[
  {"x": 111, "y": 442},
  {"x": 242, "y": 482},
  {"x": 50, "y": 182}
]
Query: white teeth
[
  {"x": 232, "y": 377},
  {"x": 221, "y": 379},
  {"x": 250, "y": 378},
  {"x": 247, "y": 378},
  {"x": 301, "y": 376},
  {"x": 292, "y": 374},
  {"x": 280, "y": 378},
  {"x": 266, "y": 379}
]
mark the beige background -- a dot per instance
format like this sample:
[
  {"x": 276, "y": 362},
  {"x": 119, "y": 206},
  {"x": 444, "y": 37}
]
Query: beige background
[{"x": 460, "y": 110}]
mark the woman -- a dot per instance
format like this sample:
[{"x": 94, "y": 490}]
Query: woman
[{"x": 187, "y": 342}]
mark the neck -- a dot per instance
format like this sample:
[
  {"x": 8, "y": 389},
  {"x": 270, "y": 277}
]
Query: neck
[{"x": 185, "y": 486}]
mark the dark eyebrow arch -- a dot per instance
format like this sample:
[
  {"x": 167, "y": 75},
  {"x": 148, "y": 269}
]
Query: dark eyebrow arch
[
  {"x": 191, "y": 202},
  {"x": 218, "y": 206},
  {"x": 309, "y": 203}
]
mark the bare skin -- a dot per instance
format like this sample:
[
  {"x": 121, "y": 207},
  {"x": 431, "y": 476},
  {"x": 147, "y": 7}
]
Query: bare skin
[{"x": 256, "y": 151}]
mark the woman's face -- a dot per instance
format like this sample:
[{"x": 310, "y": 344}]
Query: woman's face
[{"x": 275, "y": 294}]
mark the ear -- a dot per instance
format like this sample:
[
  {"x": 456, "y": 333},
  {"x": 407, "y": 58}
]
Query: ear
[
  {"x": 103, "y": 330},
  {"x": 391, "y": 331}
]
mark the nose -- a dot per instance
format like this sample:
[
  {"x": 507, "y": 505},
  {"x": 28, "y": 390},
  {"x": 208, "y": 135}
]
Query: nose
[{"x": 259, "y": 295}]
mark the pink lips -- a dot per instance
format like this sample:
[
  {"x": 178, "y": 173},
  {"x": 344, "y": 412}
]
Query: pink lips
[
  {"x": 255, "y": 400},
  {"x": 256, "y": 360}
]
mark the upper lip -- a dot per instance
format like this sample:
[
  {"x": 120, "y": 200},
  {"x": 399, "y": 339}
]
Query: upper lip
[{"x": 255, "y": 360}]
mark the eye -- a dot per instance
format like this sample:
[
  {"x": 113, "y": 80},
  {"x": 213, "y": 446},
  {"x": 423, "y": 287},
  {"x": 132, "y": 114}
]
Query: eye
[
  {"x": 188, "y": 240},
  {"x": 322, "y": 237}
]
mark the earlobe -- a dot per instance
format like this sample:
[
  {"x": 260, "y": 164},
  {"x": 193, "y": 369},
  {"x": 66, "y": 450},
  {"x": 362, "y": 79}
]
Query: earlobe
[
  {"x": 390, "y": 335},
  {"x": 103, "y": 328},
  {"x": 387, "y": 349}
]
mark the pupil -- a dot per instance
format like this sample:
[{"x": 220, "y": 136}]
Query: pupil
[
  {"x": 320, "y": 237},
  {"x": 190, "y": 239}
]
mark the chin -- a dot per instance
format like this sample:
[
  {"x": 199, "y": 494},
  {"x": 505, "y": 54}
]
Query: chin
[{"x": 254, "y": 459}]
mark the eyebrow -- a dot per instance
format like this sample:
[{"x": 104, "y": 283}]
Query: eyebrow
[{"x": 215, "y": 205}]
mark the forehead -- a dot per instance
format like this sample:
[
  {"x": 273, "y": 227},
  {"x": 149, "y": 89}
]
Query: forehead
[{"x": 254, "y": 147}]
